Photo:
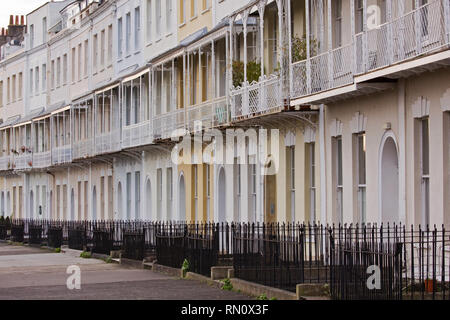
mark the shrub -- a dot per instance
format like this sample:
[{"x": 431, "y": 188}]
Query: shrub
[
  {"x": 253, "y": 72},
  {"x": 57, "y": 250},
  {"x": 185, "y": 267},
  {"x": 262, "y": 297},
  {"x": 299, "y": 49},
  {"x": 85, "y": 255},
  {"x": 227, "y": 285}
]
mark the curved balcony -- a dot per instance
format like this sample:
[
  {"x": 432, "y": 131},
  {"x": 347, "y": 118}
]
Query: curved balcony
[
  {"x": 165, "y": 125},
  {"x": 134, "y": 135},
  {"x": 210, "y": 113},
  {"x": 62, "y": 155},
  {"x": 82, "y": 149},
  {"x": 42, "y": 160}
]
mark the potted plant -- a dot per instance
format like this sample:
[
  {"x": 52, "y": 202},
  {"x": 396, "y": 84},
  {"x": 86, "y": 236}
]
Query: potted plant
[
  {"x": 253, "y": 72},
  {"x": 23, "y": 148},
  {"x": 30, "y": 163}
]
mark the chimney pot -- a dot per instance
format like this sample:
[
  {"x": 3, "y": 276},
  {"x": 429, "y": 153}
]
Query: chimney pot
[
  {"x": 17, "y": 20},
  {"x": 22, "y": 20},
  {"x": 11, "y": 20}
]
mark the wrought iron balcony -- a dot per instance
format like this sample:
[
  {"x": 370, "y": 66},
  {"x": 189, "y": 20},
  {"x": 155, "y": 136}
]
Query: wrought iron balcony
[
  {"x": 42, "y": 159},
  {"x": 5, "y": 163},
  {"x": 62, "y": 154},
  {"x": 83, "y": 148},
  {"x": 210, "y": 113},
  {"x": 166, "y": 124},
  {"x": 23, "y": 161},
  {"x": 256, "y": 98},
  {"x": 134, "y": 135}
]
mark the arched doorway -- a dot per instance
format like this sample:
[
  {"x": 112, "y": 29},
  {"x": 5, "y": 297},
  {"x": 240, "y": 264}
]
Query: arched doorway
[
  {"x": 94, "y": 203},
  {"x": 31, "y": 205},
  {"x": 72, "y": 205},
  {"x": 389, "y": 182},
  {"x": 119, "y": 200},
  {"x": 182, "y": 198},
  {"x": 148, "y": 199},
  {"x": 222, "y": 201}
]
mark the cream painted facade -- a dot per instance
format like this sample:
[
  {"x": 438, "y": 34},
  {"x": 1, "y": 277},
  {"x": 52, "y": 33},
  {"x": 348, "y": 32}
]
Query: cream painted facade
[{"x": 363, "y": 126}]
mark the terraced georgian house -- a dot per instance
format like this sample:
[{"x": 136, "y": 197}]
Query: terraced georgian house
[{"x": 350, "y": 100}]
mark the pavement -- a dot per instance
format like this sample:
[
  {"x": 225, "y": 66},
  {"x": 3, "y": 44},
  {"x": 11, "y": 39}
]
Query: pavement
[{"x": 28, "y": 273}]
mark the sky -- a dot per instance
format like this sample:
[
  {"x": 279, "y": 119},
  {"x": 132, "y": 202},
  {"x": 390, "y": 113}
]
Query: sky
[{"x": 17, "y": 7}]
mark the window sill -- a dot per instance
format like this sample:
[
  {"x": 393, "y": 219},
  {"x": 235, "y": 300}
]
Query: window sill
[
  {"x": 193, "y": 18},
  {"x": 149, "y": 44},
  {"x": 181, "y": 25},
  {"x": 127, "y": 56},
  {"x": 169, "y": 34},
  {"x": 205, "y": 11},
  {"x": 137, "y": 52}
]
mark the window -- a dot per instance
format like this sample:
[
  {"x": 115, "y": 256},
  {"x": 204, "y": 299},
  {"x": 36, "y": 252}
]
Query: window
[
  {"x": 169, "y": 16},
  {"x": 58, "y": 71},
  {"x": 159, "y": 192},
  {"x": 64, "y": 69},
  {"x": 102, "y": 198},
  {"x": 182, "y": 11},
  {"x": 14, "y": 86},
  {"x": 8, "y": 90},
  {"x": 44, "y": 76},
  {"x": 425, "y": 169},
  {"x": 128, "y": 196},
  {"x": 86, "y": 57},
  {"x": 193, "y": 8},
  {"x": 137, "y": 27},
  {"x": 208, "y": 192},
  {"x": 1, "y": 94},
  {"x": 158, "y": 18},
  {"x": 237, "y": 188},
  {"x": 110, "y": 44},
  {"x": 338, "y": 176},
  {"x": 312, "y": 181},
  {"x": 36, "y": 76},
  {"x": 32, "y": 36},
  {"x": 206, "y": 4},
  {"x": 80, "y": 61},
  {"x": 359, "y": 7},
  {"x": 361, "y": 175},
  {"x": 338, "y": 24},
  {"x": 169, "y": 192},
  {"x": 252, "y": 210},
  {"x": 291, "y": 180},
  {"x": 128, "y": 37},
  {"x": 95, "y": 53},
  {"x": 20, "y": 84},
  {"x": 149, "y": 21},
  {"x": 102, "y": 48},
  {"x": 30, "y": 82},
  {"x": 119, "y": 38},
  {"x": 44, "y": 30},
  {"x": 73, "y": 65},
  {"x": 196, "y": 192},
  {"x": 137, "y": 194}
]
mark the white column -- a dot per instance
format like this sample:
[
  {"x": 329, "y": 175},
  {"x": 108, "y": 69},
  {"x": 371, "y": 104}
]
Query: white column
[
  {"x": 330, "y": 44},
  {"x": 261, "y": 35},
  {"x": 447, "y": 20},
  {"x": 390, "y": 38},
  {"x": 213, "y": 70},
  {"x": 418, "y": 27},
  {"x": 402, "y": 151},
  {"x": 323, "y": 173},
  {"x": 353, "y": 32},
  {"x": 365, "y": 41},
  {"x": 291, "y": 70},
  {"x": 244, "y": 21},
  {"x": 308, "y": 46}
]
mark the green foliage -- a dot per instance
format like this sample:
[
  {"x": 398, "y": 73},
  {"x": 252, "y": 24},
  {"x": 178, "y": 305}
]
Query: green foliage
[
  {"x": 109, "y": 260},
  {"x": 57, "y": 250},
  {"x": 262, "y": 297},
  {"x": 185, "y": 267},
  {"x": 85, "y": 255},
  {"x": 227, "y": 285},
  {"x": 253, "y": 72},
  {"x": 299, "y": 50}
]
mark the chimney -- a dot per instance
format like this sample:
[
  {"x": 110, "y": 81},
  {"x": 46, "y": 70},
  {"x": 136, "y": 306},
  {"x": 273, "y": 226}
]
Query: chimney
[
  {"x": 11, "y": 20},
  {"x": 17, "y": 20},
  {"x": 22, "y": 20}
]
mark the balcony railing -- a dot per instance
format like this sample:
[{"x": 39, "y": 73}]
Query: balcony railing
[
  {"x": 137, "y": 134},
  {"x": 257, "y": 98},
  {"x": 23, "y": 161},
  {"x": 62, "y": 154},
  {"x": 107, "y": 142},
  {"x": 326, "y": 71},
  {"x": 83, "y": 148},
  {"x": 42, "y": 159},
  {"x": 164, "y": 125},
  {"x": 419, "y": 32},
  {"x": 211, "y": 113}
]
